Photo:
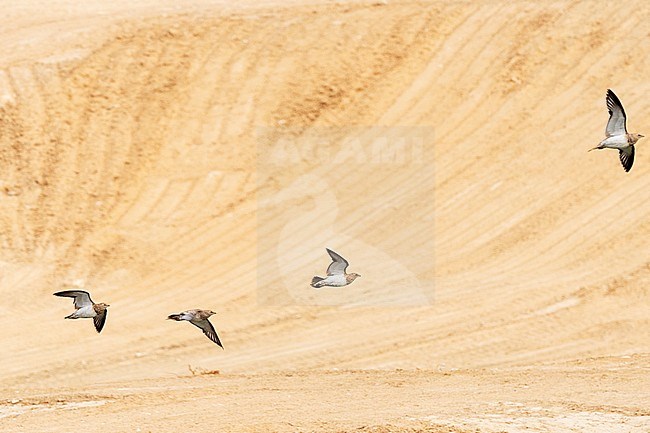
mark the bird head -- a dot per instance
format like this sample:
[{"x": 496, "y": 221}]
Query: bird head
[
  {"x": 354, "y": 276},
  {"x": 636, "y": 137},
  {"x": 101, "y": 304},
  {"x": 211, "y": 312}
]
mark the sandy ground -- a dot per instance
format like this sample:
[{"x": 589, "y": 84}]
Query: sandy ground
[{"x": 195, "y": 154}]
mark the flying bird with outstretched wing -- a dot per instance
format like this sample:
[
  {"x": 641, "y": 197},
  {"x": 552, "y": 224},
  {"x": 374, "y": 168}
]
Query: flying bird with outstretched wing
[
  {"x": 336, "y": 273},
  {"x": 616, "y": 133},
  {"x": 199, "y": 318},
  {"x": 86, "y": 308}
]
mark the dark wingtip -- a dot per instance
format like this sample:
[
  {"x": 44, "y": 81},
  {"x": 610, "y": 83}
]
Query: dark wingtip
[
  {"x": 610, "y": 94},
  {"x": 626, "y": 161}
]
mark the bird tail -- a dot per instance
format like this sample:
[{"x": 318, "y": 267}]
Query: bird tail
[
  {"x": 316, "y": 280},
  {"x": 176, "y": 317}
]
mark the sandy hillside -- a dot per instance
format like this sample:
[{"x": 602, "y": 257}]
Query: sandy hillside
[{"x": 174, "y": 155}]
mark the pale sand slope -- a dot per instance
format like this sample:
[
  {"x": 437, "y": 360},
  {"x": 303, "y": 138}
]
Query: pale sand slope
[{"x": 510, "y": 266}]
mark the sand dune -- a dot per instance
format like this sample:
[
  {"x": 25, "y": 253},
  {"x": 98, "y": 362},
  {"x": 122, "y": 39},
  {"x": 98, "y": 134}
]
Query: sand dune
[{"x": 169, "y": 155}]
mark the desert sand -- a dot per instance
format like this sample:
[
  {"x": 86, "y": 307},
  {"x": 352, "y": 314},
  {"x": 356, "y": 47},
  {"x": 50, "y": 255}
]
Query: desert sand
[{"x": 169, "y": 155}]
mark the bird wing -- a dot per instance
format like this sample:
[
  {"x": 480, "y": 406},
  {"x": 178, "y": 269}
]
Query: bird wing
[
  {"x": 81, "y": 298},
  {"x": 99, "y": 321},
  {"x": 208, "y": 330},
  {"x": 616, "y": 122},
  {"x": 338, "y": 265},
  {"x": 626, "y": 155}
]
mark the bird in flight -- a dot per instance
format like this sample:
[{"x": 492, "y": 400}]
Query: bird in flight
[
  {"x": 199, "y": 318},
  {"x": 336, "y": 275},
  {"x": 616, "y": 133},
  {"x": 86, "y": 308}
]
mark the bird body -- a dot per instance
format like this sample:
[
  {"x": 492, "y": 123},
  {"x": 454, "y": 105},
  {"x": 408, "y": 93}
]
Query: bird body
[
  {"x": 331, "y": 280},
  {"x": 336, "y": 275},
  {"x": 199, "y": 318},
  {"x": 619, "y": 141},
  {"x": 86, "y": 308},
  {"x": 87, "y": 312},
  {"x": 616, "y": 133}
]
